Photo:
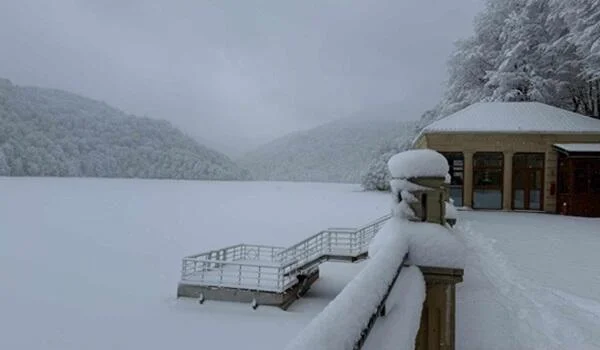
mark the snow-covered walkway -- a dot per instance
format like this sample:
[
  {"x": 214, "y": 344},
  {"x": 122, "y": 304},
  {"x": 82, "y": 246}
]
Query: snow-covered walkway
[{"x": 531, "y": 282}]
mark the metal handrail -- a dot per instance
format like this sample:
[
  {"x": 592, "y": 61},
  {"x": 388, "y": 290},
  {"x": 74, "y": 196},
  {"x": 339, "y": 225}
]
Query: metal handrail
[
  {"x": 276, "y": 267},
  {"x": 380, "y": 311}
]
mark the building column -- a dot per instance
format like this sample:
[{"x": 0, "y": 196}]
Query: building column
[
  {"x": 468, "y": 180},
  {"x": 550, "y": 178},
  {"x": 507, "y": 181}
]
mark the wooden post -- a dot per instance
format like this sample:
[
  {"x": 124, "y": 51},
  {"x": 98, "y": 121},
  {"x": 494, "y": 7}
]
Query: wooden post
[
  {"x": 468, "y": 179},
  {"x": 439, "y": 309},
  {"x": 507, "y": 181}
]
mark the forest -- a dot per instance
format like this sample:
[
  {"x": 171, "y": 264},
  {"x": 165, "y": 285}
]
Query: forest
[{"x": 45, "y": 132}]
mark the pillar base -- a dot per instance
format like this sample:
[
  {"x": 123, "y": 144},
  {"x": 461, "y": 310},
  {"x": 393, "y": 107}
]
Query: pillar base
[{"x": 439, "y": 309}]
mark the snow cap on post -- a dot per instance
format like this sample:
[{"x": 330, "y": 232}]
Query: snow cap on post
[{"x": 418, "y": 163}]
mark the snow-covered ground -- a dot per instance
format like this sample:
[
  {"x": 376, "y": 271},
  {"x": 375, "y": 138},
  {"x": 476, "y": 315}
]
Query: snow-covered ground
[
  {"x": 94, "y": 264},
  {"x": 532, "y": 281}
]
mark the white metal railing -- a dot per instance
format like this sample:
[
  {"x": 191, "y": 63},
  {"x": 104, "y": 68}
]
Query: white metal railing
[{"x": 268, "y": 268}]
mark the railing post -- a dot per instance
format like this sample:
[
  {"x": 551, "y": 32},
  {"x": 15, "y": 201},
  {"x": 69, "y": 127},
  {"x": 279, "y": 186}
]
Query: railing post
[
  {"x": 321, "y": 245},
  {"x": 360, "y": 237},
  {"x": 258, "y": 279}
]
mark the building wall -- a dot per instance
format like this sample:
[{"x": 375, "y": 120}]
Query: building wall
[
  {"x": 508, "y": 144},
  {"x": 421, "y": 142}
]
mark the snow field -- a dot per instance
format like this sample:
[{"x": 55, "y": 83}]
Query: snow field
[{"x": 94, "y": 264}]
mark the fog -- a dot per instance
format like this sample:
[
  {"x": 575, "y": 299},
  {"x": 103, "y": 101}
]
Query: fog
[{"x": 235, "y": 74}]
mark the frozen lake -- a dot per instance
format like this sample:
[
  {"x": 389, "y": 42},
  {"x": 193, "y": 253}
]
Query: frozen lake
[{"x": 94, "y": 264}]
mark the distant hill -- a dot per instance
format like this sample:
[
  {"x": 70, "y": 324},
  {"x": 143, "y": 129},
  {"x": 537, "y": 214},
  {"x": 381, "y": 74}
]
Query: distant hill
[
  {"x": 46, "y": 132},
  {"x": 339, "y": 151}
]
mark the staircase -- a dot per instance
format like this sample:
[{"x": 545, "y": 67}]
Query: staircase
[{"x": 270, "y": 275}]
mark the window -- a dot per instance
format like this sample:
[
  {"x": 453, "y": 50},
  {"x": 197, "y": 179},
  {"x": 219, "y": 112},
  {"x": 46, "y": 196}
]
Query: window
[
  {"x": 456, "y": 165},
  {"x": 487, "y": 180},
  {"x": 528, "y": 160}
]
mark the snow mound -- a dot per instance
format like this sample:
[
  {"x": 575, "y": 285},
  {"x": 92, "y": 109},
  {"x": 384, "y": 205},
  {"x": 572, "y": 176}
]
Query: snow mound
[
  {"x": 428, "y": 244},
  {"x": 399, "y": 328},
  {"x": 386, "y": 235},
  {"x": 418, "y": 163},
  {"x": 433, "y": 245},
  {"x": 451, "y": 211},
  {"x": 339, "y": 325},
  {"x": 398, "y": 185}
]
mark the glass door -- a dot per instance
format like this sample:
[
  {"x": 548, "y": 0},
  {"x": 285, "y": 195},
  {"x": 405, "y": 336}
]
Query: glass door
[
  {"x": 528, "y": 181},
  {"x": 456, "y": 164},
  {"x": 519, "y": 188},
  {"x": 534, "y": 190},
  {"x": 487, "y": 180}
]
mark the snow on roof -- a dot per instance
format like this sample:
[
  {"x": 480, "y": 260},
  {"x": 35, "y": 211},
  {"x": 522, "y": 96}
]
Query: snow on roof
[
  {"x": 418, "y": 163},
  {"x": 514, "y": 117},
  {"x": 579, "y": 147}
]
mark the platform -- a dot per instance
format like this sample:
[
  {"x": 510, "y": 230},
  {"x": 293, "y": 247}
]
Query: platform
[{"x": 269, "y": 275}]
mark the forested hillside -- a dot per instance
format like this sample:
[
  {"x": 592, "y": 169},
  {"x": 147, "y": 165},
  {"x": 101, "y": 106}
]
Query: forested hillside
[
  {"x": 533, "y": 50},
  {"x": 335, "y": 152},
  {"x": 46, "y": 132}
]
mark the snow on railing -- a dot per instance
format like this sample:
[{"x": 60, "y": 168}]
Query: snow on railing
[
  {"x": 239, "y": 274},
  {"x": 380, "y": 310},
  {"x": 347, "y": 320},
  {"x": 342, "y": 241},
  {"x": 269, "y": 268}
]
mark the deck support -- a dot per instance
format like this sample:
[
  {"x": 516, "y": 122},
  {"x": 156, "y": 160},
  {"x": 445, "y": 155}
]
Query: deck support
[{"x": 282, "y": 300}]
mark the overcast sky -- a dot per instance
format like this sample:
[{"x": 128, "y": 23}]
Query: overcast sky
[{"x": 237, "y": 72}]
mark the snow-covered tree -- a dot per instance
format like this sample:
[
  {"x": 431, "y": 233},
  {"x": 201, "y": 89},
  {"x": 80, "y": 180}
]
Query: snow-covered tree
[
  {"x": 377, "y": 176},
  {"x": 4, "y": 168},
  {"x": 533, "y": 50},
  {"x": 583, "y": 20}
]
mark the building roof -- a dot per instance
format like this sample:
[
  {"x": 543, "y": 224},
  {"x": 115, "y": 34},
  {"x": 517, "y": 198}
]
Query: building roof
[
  {"x": 584, "y": 150},
  {"x": 579, "y": 147},
  {"x": 514, "y": 117}
]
